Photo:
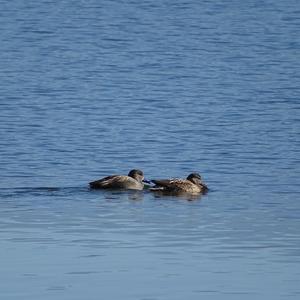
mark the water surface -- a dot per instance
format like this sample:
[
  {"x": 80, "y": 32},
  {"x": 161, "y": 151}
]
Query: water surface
[{"x": 93, "y": 88}]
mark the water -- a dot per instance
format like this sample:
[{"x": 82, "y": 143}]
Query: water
[{"x": 92, "y": 88}]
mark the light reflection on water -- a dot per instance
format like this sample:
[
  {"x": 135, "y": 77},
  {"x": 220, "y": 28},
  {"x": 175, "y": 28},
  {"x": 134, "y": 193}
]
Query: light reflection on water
[{"x": 64, "y": 239}]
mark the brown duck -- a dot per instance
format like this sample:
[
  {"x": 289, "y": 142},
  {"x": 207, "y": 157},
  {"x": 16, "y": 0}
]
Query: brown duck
[
  {"x": 133, "y": 181},
  {"x": 193, "y": 185}
]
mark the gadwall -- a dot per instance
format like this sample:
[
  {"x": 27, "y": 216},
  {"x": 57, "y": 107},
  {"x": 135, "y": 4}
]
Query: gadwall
[
  {"x": 193, "y": 184},
  {"x": 133, "y": 181}
]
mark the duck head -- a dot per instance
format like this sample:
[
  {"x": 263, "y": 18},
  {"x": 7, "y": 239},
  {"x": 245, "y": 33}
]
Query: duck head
[
  {"x": 195, "y": 178},
  {"x": 138, "y": 175}
]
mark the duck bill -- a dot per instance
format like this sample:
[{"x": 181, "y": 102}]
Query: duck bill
[{"x": 146, "y": 181}]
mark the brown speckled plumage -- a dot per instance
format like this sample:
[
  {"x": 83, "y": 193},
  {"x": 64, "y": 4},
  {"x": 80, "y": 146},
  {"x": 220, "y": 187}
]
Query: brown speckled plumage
[{"x": 192, "y": 185}]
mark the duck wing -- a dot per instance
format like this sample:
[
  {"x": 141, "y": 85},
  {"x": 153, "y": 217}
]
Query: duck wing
[
  {"x": 161, "y": 182},
  {"x": 104, "y": 182},
  {"x": 171, "y": 184}
]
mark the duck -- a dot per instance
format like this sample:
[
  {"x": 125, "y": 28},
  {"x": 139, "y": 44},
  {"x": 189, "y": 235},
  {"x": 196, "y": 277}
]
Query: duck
[
  {"x": 192, "y": 185},
  {"x": 133, "y": 181}
]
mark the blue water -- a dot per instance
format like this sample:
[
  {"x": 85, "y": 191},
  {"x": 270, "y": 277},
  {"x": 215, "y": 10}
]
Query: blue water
[{"x": 92, "y": 88}]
